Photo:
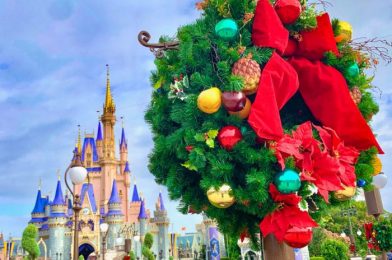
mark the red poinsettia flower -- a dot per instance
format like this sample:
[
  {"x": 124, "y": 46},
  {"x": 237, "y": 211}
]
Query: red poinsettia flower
[
  {"x": 286, "y": 216},
  {"x": 345, "y": 156}
]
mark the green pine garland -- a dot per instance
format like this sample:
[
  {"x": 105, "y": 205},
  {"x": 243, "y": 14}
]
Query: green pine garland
[{"x": 206, "y": 60}]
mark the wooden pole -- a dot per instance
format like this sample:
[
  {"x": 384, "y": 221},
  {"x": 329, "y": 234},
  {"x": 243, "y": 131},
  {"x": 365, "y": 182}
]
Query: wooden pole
[{"x": 273, "y": 250}]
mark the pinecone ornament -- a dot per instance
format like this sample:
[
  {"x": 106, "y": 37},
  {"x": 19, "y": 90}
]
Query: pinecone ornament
[
  {"x": 250, "y": 71},
  {"x": 356, "y": 95}
]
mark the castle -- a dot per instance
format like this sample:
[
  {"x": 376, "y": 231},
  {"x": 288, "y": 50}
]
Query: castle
[{"x": 104, "y": 198}]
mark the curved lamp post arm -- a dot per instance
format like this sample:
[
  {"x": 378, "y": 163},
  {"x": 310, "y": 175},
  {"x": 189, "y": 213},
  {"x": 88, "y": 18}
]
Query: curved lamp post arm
[
  {"x": 66, "y": 182},
  {"x": 157, "y": 48}
]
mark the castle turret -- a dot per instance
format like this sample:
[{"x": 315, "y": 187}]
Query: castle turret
[
  {"x": 162, "y": 222},
  {"x": 114, "y": 217},
  {"x": 98, "y": 141},
  {"x": 134, "y": 208},
  {"x": 123, "y": 149},
  {"x": 57, "y": 225},
  {"x": 38, "y": 213},
  {"x": 142, "y": 220},
  {"x": 89, "y": 151}
]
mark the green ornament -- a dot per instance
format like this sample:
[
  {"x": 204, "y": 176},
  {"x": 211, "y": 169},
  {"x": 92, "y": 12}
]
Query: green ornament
[
  {"x": 287, "y": 181},
  {"x": 353, "y": 70},
  {"x": 226, "y": 29}
]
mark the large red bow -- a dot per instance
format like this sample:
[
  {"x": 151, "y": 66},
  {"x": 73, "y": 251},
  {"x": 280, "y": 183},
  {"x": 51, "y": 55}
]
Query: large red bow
[{"x": 322, "y": 87}]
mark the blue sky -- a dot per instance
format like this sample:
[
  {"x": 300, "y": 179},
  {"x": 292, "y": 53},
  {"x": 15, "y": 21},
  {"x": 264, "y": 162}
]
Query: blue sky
[{"x": 52, "y": 78}]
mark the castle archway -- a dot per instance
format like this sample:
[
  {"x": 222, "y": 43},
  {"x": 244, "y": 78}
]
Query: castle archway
[{"x": 85, "y": 250}]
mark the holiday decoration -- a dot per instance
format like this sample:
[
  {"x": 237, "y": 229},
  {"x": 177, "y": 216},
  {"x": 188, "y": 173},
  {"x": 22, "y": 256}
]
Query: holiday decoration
[
  {"x": 233, "y": 101},
  {"x": 298, "y": 237},
  {"x": 229, "y": 136},
  {"x": 288, "y": 10},
  {"x": 353, "y": 70},
  {"x": 226, "y": 29},
  {"x": 345, "y": 30},
  {"x": 287, "y": 181},
  {"x": 380, "y": 180},
  {"x": 345, "y": 194},
  {"x": 221, "y": 198},
  {"x": 244, "y": 113},
  {"x": 177, "y": 89},
  {"x": 377, "y": 165},
  {"x": 209, "y": 101},
  {"x": 301, "y": 120},
  {"x": 250, "y": 71},
  {"x": 361, "y": 183},
  {"x": 356, "y": 95}
]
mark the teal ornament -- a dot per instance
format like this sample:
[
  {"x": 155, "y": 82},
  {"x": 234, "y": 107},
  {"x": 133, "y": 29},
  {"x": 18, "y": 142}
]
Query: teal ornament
[
  {"x": 226, "y": 29},
  {"x": 287, "y": 181},
  {"x": 243, "y": 129},
  {"x": 353, "y": 70}
]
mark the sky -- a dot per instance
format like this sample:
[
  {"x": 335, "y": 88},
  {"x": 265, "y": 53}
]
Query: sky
[{"x": 52, "y": 78}]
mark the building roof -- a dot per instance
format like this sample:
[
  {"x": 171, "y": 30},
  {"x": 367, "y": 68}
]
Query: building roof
[
  {"x": 114, "y": 198},
  {"x": 126, "y": 168},
  {"x": 160, "y": 200},
  {"x": 58, "y": 198},
  {"x": 123, "y": 141},
  {"x": 87, "y": 188},
  {"x": 99, "y": 133},
  {"x": 135, "y": 194},
  {"x": 39, "y": 206},
  {"x": 142, "y": 213},
  {"x": 89, "y": 141}
]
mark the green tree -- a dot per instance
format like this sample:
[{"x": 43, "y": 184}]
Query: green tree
[
  {"x": 81, "y": 257},
  {"x": 315, "y": 246},
  {"x": 132, "y": 255},
  {"x": 147, "y": 244},
  {"x": 29, "y": 241},
  {"x": 383, "y": 230},
  {"x": 334, "y": 250}
]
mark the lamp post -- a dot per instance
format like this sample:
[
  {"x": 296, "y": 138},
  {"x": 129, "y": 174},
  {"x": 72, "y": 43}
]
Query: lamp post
[
  {"x": 78, "y": 174},
  {"x": 349, "y": 213},
  {"x": 104, "y": 231}
]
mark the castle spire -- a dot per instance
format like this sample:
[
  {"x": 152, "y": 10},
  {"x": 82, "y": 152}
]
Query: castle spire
[
  {"x": 79, "y": 142},
  {"x": 99, "y": 133},
  {"x": 142, "y": 213},
  {"x": 123, "y": 141},
  {"x": 160, "y": 202},
  {"x": 114, "y": 198},
  {"x": 135, "y": 194},
  {"x": 58, "y": 198},
  {"x": 109, "y": 102}
]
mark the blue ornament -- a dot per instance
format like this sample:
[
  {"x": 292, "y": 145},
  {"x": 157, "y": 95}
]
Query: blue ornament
[
  {"x": 361, "y": 183},
  {"x": 353, "y": 70},
  {"x": 287, "y": 181},
  {"x": 226, "y": 29}
]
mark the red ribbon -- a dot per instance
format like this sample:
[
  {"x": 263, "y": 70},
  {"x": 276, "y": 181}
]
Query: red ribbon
[{"x": 322, "y": 87}]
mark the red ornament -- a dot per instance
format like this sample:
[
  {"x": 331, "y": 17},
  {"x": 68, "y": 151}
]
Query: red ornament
[
  {"x": 233, "y": 101},
  {"x": 229, "y": 136},
  {"x": 189, "y": 148},
  {"x": 288, "y": 10},
  {"x": 298, "y": 237}
]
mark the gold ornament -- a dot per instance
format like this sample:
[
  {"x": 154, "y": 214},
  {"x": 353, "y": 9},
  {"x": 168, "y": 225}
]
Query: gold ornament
[
  {"x": 345, "y": 194},
  {"x": 209, "y": 100},
  {"x": 250, "y": 71},
  {"x": 244, "y": 113},
  {"x": 221, "y": 198},
  {"x": 356, "y": 95},
  {"x": 377, "y": 165},
  {"x": 346, "y": 32}
]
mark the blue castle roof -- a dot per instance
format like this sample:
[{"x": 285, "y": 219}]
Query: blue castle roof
[
  {"x": 58, "y": 198},
  {"x": 135, "y": 194},
  {"x": 142, "y": 213},
  {"x": 39, "y": 206},
  {"x": 126, "y": 168},
  {"x": 88, "y": 189},
  {"x": 161, "y": 205},
  {"x": 114, "y": 198},
  {"x": 123, "y": 141},
  {"x": 99, "y": 133},
  {"x": 90, "y": 141}
]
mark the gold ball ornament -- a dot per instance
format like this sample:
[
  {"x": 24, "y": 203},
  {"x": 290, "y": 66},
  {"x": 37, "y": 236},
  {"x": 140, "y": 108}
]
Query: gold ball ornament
[
  {"x": 244, "y": 113},
  {"x": 222, "y": 197},
  {"x": 346, "y": 32},
  {"x": 250, "y": 71},
  {"x": 377, "y": 165},
  {"x": 356, "y": 95},
  {"x": 345, "y": 194},
  {"x": 209, "y": 100}
]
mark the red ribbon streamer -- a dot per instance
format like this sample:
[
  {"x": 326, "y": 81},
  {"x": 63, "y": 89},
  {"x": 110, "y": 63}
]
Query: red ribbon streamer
[{"x": 322, "y": 87}]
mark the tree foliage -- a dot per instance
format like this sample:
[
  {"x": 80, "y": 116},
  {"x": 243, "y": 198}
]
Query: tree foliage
[
  {"x": 147, "y": 244},
  {"x": 383, "y": 230},
  {"x": 334, "y": 250},
  {"x": 29, "y": 241}
]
